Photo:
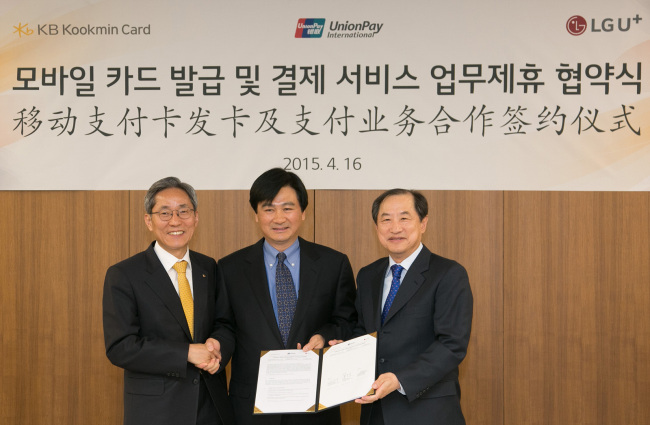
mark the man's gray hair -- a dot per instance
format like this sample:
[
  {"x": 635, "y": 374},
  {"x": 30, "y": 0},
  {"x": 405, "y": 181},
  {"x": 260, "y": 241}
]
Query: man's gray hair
[{"x": 168, "y": 183}]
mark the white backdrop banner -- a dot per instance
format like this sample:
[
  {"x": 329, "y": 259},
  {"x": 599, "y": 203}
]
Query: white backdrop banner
[{"x": 462, "y": 95}]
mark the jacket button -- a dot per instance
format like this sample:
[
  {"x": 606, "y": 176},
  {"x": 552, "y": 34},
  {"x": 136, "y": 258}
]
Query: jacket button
[
  {"x": 382, "y": 360},
  {"x": 195, "y": 381}
]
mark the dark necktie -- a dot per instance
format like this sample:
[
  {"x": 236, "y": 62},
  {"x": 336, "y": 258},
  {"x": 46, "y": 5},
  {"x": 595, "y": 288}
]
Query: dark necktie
[
  {"x": 394, "y": 286},
  {"x": 286, "y": 294}
]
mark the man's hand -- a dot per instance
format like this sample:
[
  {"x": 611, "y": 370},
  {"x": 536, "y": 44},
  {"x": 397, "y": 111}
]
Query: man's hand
[
  {"x": 316, "y": 342},
  {"x": 201, "y": 357},
  {"x": 214, "y": 347},
  {"x": 384, "y": 385}
]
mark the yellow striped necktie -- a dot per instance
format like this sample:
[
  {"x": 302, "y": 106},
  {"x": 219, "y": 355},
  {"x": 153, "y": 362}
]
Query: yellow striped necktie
[{"x": 186, "y": 294}]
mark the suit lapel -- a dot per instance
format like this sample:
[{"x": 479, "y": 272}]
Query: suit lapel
[
  {"x": 255, "y": 272},
  {"x": 411, "y": 283},
  {"x": 309, "y": 267},
  {"x": 377, "y": 289},
  {"x": 160, "y": 283},
  {"x": 200, "y": 287}
]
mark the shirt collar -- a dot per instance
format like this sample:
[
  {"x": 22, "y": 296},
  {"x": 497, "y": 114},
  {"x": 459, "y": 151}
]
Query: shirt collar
[
  {"x": 270, "y": 253},
  {"x": 168, "y": 260},
  {"x": 408, "y": 262}
]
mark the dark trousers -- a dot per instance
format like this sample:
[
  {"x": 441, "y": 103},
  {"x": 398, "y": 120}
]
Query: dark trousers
[
  {"x": 376, "y": 416},
  {"x": 207, "y": 414}
]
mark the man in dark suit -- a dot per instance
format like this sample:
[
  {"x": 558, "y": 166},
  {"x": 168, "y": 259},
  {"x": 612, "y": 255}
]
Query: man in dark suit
[
  {"x": 283, "y": 292},
  {"x": 158, "y": 306},
  {"x": 420, "y": 305}
]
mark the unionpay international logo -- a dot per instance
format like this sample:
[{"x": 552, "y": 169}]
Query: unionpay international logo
[{"x": 310, "y": 28}]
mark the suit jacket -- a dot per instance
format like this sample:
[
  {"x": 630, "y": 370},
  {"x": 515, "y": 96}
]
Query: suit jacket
[
  {"x": 146, "y": 334},
  {"x": 325, "y": 306},
  {"x": 423, "y": 339}
]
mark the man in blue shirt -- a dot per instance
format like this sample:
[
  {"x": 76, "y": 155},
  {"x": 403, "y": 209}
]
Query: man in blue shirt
[{"x": 282, "y": 292}]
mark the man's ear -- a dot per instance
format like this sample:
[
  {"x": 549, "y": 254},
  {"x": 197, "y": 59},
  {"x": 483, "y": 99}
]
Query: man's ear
[
  {"x": 423, "y": 224},
  {"x": 147, "y": 221}
]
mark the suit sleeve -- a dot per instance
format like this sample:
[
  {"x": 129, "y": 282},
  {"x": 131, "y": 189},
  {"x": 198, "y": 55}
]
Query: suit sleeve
[
  {"x": 127, "y": 346},
  {"x": 344, "y": 315},
  {"x": 453, "y": 309},
  {"x": 224, "y": 331},
  {"x": 359, "y": 328}
]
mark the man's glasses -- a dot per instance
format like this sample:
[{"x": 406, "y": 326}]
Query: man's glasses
[{"x": 183, "y": 213}]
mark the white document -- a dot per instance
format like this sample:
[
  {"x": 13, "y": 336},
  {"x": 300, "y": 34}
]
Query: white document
[
  {"x": 287, "y": 381},
  {"x": 292, "y": 381},
  {"x": 348, "y": 371}
]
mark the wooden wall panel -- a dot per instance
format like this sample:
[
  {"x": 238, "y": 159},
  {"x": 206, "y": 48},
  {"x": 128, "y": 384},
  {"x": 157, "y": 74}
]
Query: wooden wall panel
[
  {"x": 344, "y": 222},
  {"x": 560, "y": 280},
  {"x": 576, "y": 294},
  {"x": 465, "y": 226},
  {"x": 54, "y": 370},
  {"x": 468, "y": 227}
]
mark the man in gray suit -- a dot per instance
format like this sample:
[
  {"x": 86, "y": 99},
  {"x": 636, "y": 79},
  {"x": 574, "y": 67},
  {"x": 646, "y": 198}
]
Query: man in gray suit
[{"x": 420, "y": 305}]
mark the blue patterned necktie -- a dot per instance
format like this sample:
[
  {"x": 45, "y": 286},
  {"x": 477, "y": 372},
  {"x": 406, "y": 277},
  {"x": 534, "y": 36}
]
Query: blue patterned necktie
[
  {"x": 286, "y": 294},
  {"x": 394, "y": 286}
]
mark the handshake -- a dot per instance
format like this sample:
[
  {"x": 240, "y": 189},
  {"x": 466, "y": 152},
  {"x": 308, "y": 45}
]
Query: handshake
[{"x": 206, "y": 356}]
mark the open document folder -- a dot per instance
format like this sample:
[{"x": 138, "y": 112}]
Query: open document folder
[{"x": 292, "y": 381}]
